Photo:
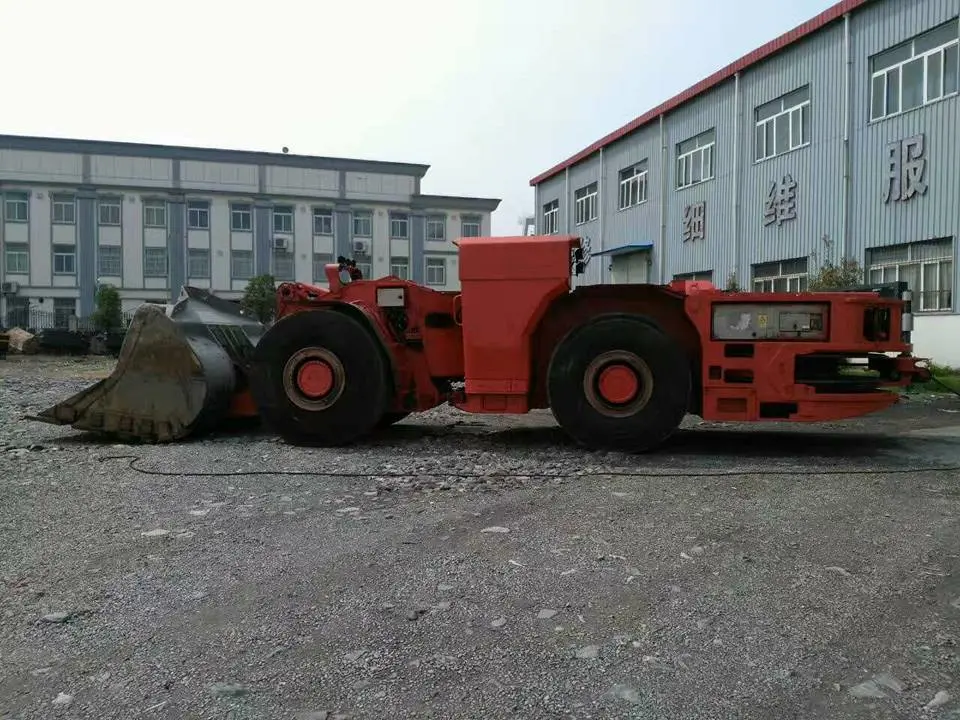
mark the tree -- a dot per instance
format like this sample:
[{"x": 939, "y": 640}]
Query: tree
[
  {"x": 732, "y": 284},
  {"x": 830, "y": 276},
  {"x": 847, "y": 274},
  {"x": 108, "y": 314},
  {"x": 260, "y": 298}
]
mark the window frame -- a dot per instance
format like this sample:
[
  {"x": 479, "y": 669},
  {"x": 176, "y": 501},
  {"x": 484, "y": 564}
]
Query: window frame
[
  {"x": 586, "y": 203},
  {"x": 551, "y": 217},
  {"x": 103, "y": 272},
  {"x": 435, "y": 220},
  {"x": 197, "y": 211},
  {"x": 799, "y": 118},
  {"x": 154, "y": 206},
  {"x": 281, "y": 212},
  {"x": 921, "y": 263},
  {"x": 427, "y": 267},
  {"x": 783, "y": 280},
  {"x": 399, "y": 226},
  {"x": 192, "y": 254},
  {"x": 16, "y": 199},
  {"x": 147, "y": 272},
  {"x": 245, "y": 256},
  {"x": 59, "y": 201},
  {"x": 395, "y": 266},
  {"x": 703, "y": 144},
  {"x": 15, "y": 248},
  {"x": 633, "y": 182},
  {"x": 470, "y": 220},
  {"x": 113, "y": 203},
  {"x": 287, "y": 256},
  {"x": 322, "y": 214},
  {"x": 318, "y": 261},
  {"x": 924, "y": 56},
  {"x": 239, "y": 211},
  {"x": 362, "y": 217},
  {"x": 60, "y": 253}
]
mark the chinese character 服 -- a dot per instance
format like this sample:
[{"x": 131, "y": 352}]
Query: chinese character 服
[
  {"x": 906, "y": 167},
  {"x": 781, "y": 203},
  {"x": 694, "y": 221}
]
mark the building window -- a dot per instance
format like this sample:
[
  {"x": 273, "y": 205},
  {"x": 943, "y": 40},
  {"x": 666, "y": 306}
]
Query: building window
[
  {"x": 783, "y": 124},
  {"x": 198, "y": 215},
  {"x": 198, "y": 263},
  {"x": 16, "y": 208},
  {"x": 322, "y": 221},
  {"x": 155, "y": 213},
  {"x": 155, "y": 262},
  {"x": 436, "y": 271},
  {"x": 283, "y": 219},
  {"x": 926, "y": 267},
  {"x": 921, "y": 70},
  {"x": 695, "y": 159},
  {"x": 399, "y": 226},
  {"x": 109, "y": 212},
  {"x": 64, "y": 210},
  {"x": 362, "y": 223},
  {"x": 400, "y": 267},
  {"x": 283, "y": 264},
  {"x": 110, "y": 260},
  {"x": 469, "y": 226},
  {"x": 241, "y": 264},
  {"x": 633, "y": 185},
  {"x": 241, "y": 218},
  {"x": 781, "y": 276},
  {"x": 551, "y": 217},
  {"x": 320, "y": 261},
  {"x": 702, "y": 276},
  {"x": 64, "y": 259},
  {"x": 18, "y": 259},
  {"x": 437, "y": 228},
  {"x": 585, "y": 204},
  {"x": 63, "y": 310}
]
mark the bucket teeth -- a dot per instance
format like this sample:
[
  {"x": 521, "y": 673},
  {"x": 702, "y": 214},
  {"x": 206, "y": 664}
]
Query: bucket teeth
[{"x": 176, "y": 374}]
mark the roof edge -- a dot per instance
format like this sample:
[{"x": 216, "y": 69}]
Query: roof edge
[
  {"x": 455, "y": 202},
  {"x": 205, "y": 154},
  {"x": 818, "y": 22}
]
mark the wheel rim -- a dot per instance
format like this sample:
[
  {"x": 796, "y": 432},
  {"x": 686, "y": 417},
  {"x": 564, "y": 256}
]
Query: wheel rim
[
  {"x": 313, "y": 378},
  {"x": 618, "y": 383}
]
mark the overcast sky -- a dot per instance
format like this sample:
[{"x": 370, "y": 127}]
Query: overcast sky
[{"x": 488, "y": 92}]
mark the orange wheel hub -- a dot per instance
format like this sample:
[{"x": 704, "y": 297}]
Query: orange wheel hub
[
  {"x": 315, "y": 378},
  {"x": 618, "y": 384}
]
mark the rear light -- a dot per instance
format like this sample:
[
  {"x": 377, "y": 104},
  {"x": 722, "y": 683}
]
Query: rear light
[{"x": 781, "y": 321}]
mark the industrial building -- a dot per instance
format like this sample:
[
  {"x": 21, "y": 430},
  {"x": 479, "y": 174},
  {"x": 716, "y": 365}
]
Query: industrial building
[
  {"x": 836, "y": 140},
  {"x": 149, "y": 219}
]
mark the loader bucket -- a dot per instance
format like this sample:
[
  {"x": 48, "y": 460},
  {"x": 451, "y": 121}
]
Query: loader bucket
[{"x": 176, "y": 374}]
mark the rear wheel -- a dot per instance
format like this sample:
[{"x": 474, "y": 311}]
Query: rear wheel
[
  {"x": 319, "y": 378},
  {"x": 619, "y": 383}
]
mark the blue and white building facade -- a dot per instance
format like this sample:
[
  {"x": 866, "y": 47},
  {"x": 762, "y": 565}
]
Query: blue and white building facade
[
  {"x": 840, "y": 139},
  {"x": 149, "y": 219}
]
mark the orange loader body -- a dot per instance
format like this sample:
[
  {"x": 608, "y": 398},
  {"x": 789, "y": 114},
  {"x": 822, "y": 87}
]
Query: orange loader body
[{"x": 618, "y": 365}]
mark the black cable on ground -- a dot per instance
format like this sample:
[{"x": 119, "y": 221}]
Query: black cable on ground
[{"x": 133, "y": 460}]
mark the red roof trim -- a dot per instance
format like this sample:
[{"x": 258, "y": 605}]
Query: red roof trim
[{"x": 798, "y": 33}]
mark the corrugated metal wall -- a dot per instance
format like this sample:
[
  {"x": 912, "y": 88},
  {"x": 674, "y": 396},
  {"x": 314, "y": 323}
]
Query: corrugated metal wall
[{"x": 737, "y": 235}]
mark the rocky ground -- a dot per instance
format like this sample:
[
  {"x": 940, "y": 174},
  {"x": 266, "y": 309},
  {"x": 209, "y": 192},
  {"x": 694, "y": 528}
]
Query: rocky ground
[{"x": 740, "y": 573}]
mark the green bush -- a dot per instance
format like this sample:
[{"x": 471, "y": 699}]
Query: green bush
[
  {"x": 108, "y": 314},
  {"x": 260, "y": 298}
]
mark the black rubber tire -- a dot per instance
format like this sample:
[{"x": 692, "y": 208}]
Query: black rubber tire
[
  {"x": 649, "y": 426},
  {"x": 363, "y": 401},
  {"x": 391, "y": 418}
]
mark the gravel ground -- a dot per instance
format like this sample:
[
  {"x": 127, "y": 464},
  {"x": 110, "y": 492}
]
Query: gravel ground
[{"x": 711, "y": 580}]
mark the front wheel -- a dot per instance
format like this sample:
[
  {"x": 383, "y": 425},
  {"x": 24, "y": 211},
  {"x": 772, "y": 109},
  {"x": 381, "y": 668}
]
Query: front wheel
[
  {"x": 319, "y": 378},
  {"x": 619, "y": 383}
]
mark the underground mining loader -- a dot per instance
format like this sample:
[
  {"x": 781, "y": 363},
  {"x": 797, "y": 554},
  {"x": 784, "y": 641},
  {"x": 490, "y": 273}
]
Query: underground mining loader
[{"x": 618, "y": 365}]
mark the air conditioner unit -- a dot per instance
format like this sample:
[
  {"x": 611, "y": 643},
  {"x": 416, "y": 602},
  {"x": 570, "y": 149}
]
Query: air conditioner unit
[
  {"x": 281, "y": 243},
  {"x": 361, "y": 247},
  {"x": 10, "y": 288}
]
